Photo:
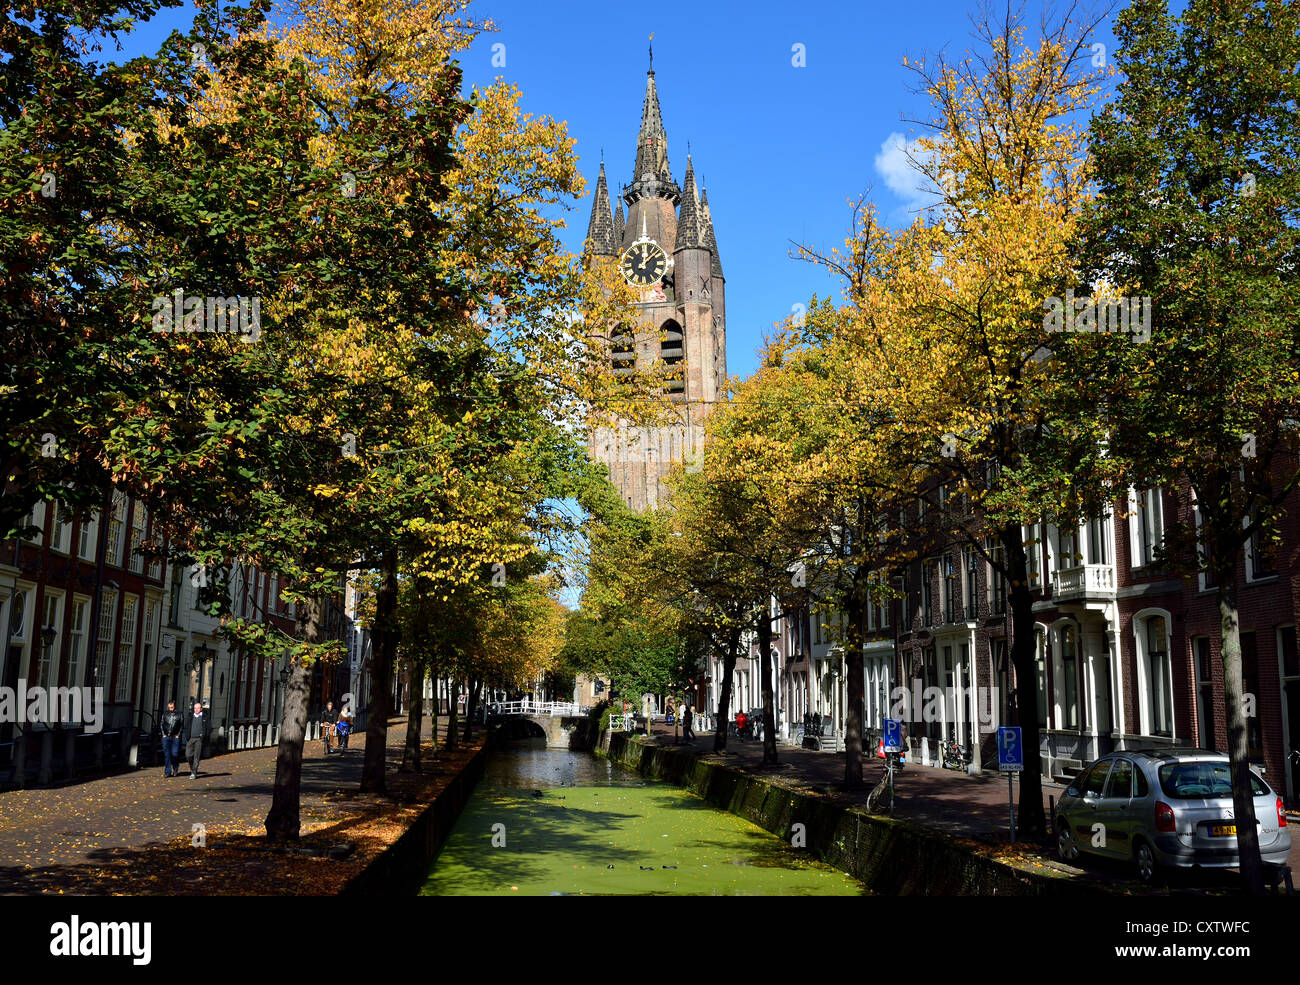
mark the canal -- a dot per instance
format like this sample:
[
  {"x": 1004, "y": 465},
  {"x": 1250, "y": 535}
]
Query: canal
[{"x": 550, "y": 822}]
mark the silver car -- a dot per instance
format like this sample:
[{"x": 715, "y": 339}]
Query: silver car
[{"x": 1169, "y": 807}]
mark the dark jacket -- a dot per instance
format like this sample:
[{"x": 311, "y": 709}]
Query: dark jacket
[
  {"x": 171, "y": 723},
  {"x": 328, "y": 716},
  {"x": 195, "y": 728}
]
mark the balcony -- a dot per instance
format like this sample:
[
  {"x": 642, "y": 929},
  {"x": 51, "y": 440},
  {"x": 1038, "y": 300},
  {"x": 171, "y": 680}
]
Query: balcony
[{"x": 1085, "y": 583}]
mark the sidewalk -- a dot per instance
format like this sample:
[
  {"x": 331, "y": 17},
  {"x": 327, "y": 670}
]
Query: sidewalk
[
  {"x": 975, "y": 806},
  {"x": 68, "y": 838}
]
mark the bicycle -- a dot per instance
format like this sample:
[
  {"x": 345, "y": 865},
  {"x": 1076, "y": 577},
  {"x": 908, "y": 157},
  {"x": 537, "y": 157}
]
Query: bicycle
[{"x": 882, "y": 795}]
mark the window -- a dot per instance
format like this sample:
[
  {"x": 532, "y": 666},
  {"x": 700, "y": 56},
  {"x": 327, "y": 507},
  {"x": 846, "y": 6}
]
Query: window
[
  {"x": 1206, "y": 578},
  {"x": 1204, "y": 691},
  {"x": 34, "y": 524},
  {"x": 47, "y": 666},
  {"x": 1033, "y": 554},
  {"x": 1094, "y": 783},
  {"x": 126, "y": 649},
  {"x": 1096, "y": 540},
  {"x": 174, "y": 601},
  {"x": 1040, "y": 658},
  {"x": 273, "y": 594},
  {"x": 1261, "y": 559},
  {"x": 997, "y": 581},
  {"x": 77, "y": 642},
  {"x": 104, "y": 642},
  {"x": 1069, "y": 682},
  {"x": 88, "y": 538},
  {"x": 949, "y": 590},
  {"x": 1160, "y": 677},
  {"x": 972, "y": 585},
  {"x": 1120, "y": 784},
  {"x": 1066, "y": 554},
  {"x": 927, "y": 593},
  {"x": 1146, "y": 526},
  {"x": 817, "y": 628},
  {"x": 134, "y": 559},
  {"x": 61, "y": 537},
  {"x": 148, "y": 636},
  {"x": 115, "y": 529}
]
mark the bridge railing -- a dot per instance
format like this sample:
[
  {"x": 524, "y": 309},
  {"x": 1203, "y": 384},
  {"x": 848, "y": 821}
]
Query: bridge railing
[{"x": 534, "y": 708}]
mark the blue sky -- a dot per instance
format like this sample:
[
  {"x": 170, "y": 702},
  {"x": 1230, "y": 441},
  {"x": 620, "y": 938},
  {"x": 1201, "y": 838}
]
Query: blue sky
[{"x": 781, "y": 148}]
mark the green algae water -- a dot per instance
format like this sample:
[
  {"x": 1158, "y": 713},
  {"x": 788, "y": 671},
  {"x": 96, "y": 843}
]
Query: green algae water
[{"x": 548, "y": 822}]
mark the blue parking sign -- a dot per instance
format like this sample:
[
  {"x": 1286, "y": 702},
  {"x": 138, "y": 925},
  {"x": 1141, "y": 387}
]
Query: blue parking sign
[
  {"x": 893, "y": 735},
  {"x": 1011, "y": 751}
]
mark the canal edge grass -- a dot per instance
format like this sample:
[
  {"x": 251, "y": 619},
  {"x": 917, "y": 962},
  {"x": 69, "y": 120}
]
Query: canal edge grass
[{"x": 889, "y": 855}]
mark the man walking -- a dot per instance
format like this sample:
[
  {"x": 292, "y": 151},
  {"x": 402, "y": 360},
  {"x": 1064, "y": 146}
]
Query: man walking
[
  {"x": 688, "y": 720},
  {"x": 195, "y": 732},
  {"x": 171, "y": 724}
]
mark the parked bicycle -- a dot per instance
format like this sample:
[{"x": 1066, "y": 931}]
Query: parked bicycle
[
  {"x": 955, "y": 757},
  {"x": 882, "y": 794}
]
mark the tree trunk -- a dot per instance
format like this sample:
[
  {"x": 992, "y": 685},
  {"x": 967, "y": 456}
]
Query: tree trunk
[
  {"x": 765, "y": 669},
  {"x": 283, "y": 822},
  {"x": 414, "y": 721},
  {"x": 855, "y": 612},
  {"x": 1031, "y": 821},
  {"x": 475, "y": 688},
  {"x": 724, "y": 693},
  {"x": 453, "y": 688},
  {"x": 1224, "y": 561},
  {"x": 381, "y": 673}
]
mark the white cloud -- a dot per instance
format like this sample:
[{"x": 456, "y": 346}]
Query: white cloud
[{"x": 901, "y": 177}]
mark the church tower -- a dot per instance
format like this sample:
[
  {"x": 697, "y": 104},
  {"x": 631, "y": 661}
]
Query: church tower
[{"x": 666, "y": 249}]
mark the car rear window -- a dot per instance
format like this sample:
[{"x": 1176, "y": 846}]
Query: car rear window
[{"x": 1202, "y": 779}]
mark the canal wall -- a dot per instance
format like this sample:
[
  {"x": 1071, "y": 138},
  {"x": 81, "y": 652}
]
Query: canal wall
[
  {"x": 891, "y": 856},
  {"x": 401, "y": 868}
]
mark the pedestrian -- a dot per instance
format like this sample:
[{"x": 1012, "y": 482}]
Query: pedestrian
[
  {"x": 742, "y": 722},
  {"x": 327, "y": 720},
  {"x": 688, "y": 717},
  {"x": 195, "y": 732},
  {"x": 344, "y": 727},
  {"x": 171, "y": 725}
]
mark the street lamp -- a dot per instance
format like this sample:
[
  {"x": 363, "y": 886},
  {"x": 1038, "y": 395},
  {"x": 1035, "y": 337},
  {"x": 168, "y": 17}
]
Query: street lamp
[{"x": 48, "y": 635}]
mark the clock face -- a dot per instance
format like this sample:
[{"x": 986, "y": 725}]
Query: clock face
[{"x": 644, "y": 264}]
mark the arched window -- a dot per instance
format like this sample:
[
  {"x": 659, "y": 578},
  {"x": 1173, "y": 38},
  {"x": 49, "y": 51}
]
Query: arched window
[
  {"x": 1156, "y": 686},
  {"x": 623, "y": 351},
  {"x": 672, "y": 351}
]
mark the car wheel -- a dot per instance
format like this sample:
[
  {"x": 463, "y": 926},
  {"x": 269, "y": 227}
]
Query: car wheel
[
  {"x": 1145, "y": 860},
  {"x": 1066, "y": 846}
]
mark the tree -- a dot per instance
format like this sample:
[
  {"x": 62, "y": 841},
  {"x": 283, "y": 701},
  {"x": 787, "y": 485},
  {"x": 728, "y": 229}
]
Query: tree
[{"x": 1198, "y": 170}]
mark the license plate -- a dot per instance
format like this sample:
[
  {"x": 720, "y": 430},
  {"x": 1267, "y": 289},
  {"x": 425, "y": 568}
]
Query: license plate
[{"x": 1223, "y": 830}]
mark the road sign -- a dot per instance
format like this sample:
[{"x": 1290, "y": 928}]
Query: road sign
[
  {"x": 1011, "y": 751},
  {"x": 893, "y": 735}
]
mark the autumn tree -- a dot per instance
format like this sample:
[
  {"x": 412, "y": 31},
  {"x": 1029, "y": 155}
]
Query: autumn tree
[{"x": 1198, "y": 173}]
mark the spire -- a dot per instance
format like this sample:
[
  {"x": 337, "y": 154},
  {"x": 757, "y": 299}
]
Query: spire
[
  {"x": 652, "y": 176},
  {"x": 690, "y": 224},
  {"x": 618, "y": 219},
  {"x": 709, "y": 240},
  {"x": 600, "y": 230}
]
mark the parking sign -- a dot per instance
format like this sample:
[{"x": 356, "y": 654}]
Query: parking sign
[
  {"x": 893, "y": 735},
  {"x": 1011, "y": 751}
]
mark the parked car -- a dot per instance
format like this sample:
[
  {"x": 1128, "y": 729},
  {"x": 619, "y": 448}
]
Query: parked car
[{"x": 1164, "y": 808}]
